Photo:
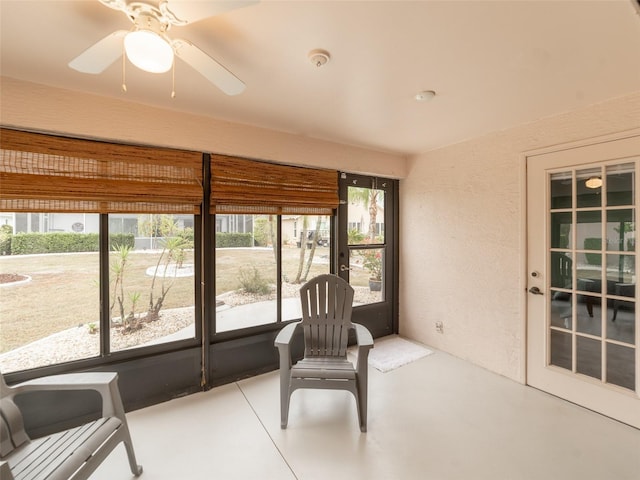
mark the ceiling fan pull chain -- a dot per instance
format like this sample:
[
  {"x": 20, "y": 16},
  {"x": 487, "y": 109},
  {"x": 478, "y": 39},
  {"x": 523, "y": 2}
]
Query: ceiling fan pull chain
[
  {"x": 173, "y": 79},
  {"x": 124, "y": 61}
]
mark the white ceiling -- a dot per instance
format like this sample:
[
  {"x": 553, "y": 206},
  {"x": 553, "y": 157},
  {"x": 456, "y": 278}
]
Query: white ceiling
[{"x": 493, "y": 64}]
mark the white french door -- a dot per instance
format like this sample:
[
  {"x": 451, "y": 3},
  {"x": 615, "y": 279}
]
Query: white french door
[{"x": 582, "y": 324}]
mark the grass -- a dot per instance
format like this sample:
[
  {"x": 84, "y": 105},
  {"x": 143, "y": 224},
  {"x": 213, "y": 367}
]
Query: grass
[{"x": 64, "y": 293}]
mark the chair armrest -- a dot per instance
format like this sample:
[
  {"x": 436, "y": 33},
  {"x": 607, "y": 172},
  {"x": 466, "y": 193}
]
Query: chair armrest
[
  {"x": 283, "y": 342},
  {"x": 365, "y": 343},
  {"x": 363, "y": 336},
  {"x": 286, "y": 334},
  {"x": 105, "y": 383}
]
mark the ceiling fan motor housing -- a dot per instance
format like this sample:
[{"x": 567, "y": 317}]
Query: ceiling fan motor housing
[{"x": 146, "y": 17}]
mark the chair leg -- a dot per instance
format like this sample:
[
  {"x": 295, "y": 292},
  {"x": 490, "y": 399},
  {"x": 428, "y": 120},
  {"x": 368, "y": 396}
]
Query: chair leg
[
  {"x": 361, "y": 385},
  {"x": 133, "y": 464},
  {"x": 285, "y": 397}
]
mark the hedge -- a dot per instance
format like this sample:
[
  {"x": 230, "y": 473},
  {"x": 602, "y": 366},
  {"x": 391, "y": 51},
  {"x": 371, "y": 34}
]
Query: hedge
[
  {"x": 6, "y": 232},
  {"x": 230, "y": 240},
  {"x": 59, "y": 242}
]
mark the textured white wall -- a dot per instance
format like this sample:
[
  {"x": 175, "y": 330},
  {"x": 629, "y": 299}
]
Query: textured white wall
[
  {"x": 462, "y": 236},
  {"x": 47, "y": 109}
]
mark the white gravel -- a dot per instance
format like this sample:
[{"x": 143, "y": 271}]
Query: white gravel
[{"x": 78, "y": 343}]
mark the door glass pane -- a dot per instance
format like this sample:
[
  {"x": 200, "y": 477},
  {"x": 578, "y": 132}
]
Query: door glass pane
[
  {"x": 621, "y": 184},
  {"x": 561, "y": 230},
  {"x": 621, "y": 273},
  {"x": 621, "y": 325},
  {"x": 561, "y": 190},
  {"x": 302, "y": 259},
  {"x": 367, "y": 275},
  {"x": 151, "y": 279},
  {"x": 561, "y": 349},
  {"x": 589, "y": 272},
  {"x": 588, "y": 315},
  {"x": 589, "y": 188},
  {"x": 561, "y": 310},
  {"x": 621, "y": 368},
  {"x": 365, "y": 216},
  {"x": 246, "y": 273},
  {"x": 621, "y": 230},
  {"x": 589, "y": 230},
  {"x": 561, "y": 270},
  {"x": 49, "y": 281},
  {"x": 589, "y": 357}
]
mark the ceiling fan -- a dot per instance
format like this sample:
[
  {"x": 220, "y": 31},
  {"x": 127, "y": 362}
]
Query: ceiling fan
[{"x": 148, "y": 46}]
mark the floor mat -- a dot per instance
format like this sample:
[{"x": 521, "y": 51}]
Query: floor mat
[{"x": 394, "y": 351}]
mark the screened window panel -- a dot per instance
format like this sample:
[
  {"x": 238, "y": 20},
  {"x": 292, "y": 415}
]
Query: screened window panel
[
  {"x": 245, "y": 186},
  {"x": 55, "y": 174}
]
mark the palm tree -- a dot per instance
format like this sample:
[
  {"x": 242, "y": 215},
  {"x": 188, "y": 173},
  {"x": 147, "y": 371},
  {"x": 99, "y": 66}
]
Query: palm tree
[
  {"x": 368, "y": 197},
  {"x": 172, "y": 252}
]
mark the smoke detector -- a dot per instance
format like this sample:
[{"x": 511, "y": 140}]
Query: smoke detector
[
  {"x": 424, "y": 96},
  {"x": 319, "y": 57}
]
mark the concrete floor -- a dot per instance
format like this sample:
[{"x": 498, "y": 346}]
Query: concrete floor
[{"x": 436, "y": 418}]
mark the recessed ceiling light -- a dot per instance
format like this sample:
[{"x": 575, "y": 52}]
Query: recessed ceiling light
[{"x": 425, "y": 95}]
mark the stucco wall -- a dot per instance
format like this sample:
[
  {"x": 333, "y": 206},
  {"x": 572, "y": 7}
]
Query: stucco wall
[
  {"x": 462, "y": 249},
  {"x": 46, "y": 109}
]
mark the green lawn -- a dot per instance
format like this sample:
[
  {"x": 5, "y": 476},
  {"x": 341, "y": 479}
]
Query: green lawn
[{"x": 63, "y": 291}]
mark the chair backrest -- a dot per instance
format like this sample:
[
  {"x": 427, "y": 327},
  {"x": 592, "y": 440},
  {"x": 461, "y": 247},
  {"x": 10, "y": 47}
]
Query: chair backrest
[{"x": 327, "y": 302}]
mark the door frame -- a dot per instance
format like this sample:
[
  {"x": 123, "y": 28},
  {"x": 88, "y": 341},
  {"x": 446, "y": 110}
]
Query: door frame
[
  {"x": 525, "y": 159},
  {"x": 380, "y": 318}
]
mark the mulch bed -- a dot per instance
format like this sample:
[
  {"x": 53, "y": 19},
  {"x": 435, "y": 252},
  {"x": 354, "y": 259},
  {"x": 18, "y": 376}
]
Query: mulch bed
[{"x": 11, "y": 278}]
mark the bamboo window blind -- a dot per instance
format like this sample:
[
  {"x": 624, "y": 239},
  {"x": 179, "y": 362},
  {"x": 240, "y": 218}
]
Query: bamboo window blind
[
  {"x": 245, "y": 186},
  {"x": 44, "y": 173}
]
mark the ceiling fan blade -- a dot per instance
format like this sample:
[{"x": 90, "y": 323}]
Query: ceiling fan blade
[
  {"x": 115, "y": 4},
  {"x": 208, "y": 67},
  {"x": 189, "y": 11},
  {"x": 98, "y": 57}
]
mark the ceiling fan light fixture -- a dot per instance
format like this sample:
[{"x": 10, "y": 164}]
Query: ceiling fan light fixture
[{"x": 148, "y": 51}]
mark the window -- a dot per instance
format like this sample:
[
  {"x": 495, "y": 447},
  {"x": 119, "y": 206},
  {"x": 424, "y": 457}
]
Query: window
[
  {"x": 258, "y": 271},
  {"x": 151, "y": 280},
  {"x": 49, "y": 284},
  {"x": 89, "y": 224},
  {"x": 118, "y": 230}
]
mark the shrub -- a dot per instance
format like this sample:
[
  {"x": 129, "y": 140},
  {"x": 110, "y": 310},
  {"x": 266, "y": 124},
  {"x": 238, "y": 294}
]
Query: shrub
[
  {"x": 252, "y": 282},
  {"x": 6, "y": 232},
  {"x": 229, "y": 240},
  {"x": 187, "y": 235},
  {"x": 122, "y": 239}
]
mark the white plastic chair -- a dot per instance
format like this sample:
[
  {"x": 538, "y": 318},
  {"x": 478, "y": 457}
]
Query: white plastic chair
[{"x": 68, "y": 454}]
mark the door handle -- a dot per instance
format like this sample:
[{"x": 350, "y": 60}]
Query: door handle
[
  {"x": 535, "y": 291},
  {"x": 344, "y": 268}
]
